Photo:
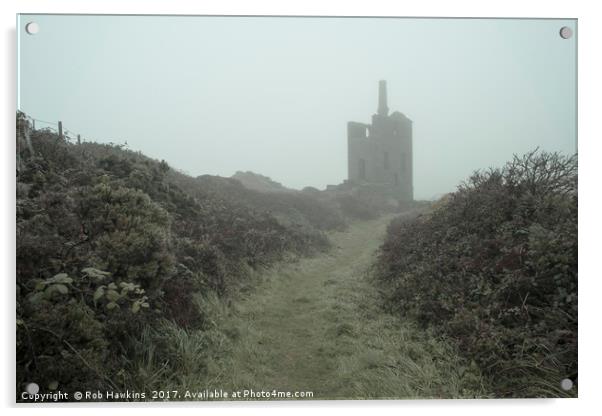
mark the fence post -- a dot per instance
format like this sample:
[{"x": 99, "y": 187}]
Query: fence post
[{"x": 60, "y": 129}]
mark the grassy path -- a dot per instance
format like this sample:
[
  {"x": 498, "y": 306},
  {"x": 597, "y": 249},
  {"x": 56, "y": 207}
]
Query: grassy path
[{"x": 317, "y": 325}]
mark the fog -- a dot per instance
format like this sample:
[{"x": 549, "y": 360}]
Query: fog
[{"x": 215, "y": 95}]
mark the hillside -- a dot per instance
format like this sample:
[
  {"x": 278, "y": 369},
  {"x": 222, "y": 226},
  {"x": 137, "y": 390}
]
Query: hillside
[
  {"x": 261, "y": 183},
  {"x": 110, "y": 243},
  {"x": 133, "y": 275}
]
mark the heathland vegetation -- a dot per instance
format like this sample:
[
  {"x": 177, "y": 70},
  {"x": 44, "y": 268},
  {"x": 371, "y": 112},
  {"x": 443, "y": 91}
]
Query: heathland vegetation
[
  {"x": 493, "y": 267},
  {"x": 117, "y": 253},
  {"x": 133, "y": 275}
]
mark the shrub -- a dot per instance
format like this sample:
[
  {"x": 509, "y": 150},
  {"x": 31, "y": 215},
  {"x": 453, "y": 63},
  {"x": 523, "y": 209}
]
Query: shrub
[
  {"x": 494, "y": 267},
  {"x": 67, "y": 325},
  {"x": 112, "y": 244}
]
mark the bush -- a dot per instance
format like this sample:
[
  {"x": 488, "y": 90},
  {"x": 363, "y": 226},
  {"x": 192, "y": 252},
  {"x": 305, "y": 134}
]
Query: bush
[
  {"x": 112, "y": 244},
  {"x": 493, "y": 266},
  {"x": 67, "y": 326}
]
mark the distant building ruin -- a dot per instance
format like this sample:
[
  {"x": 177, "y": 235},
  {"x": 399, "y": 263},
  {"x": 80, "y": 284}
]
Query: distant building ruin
[{"x": 381, "y": 153}]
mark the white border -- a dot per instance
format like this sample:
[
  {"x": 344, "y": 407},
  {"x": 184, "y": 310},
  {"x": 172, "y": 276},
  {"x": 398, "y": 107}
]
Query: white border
[{"x": 590, "y": 111}]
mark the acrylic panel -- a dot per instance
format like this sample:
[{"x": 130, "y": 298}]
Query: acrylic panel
[{"x": 295, "y": 208}]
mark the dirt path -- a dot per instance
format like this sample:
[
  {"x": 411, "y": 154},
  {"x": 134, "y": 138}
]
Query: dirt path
[{"x": 317, "y": 325}]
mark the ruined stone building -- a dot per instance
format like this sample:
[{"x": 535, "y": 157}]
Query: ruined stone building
[{"x": 380, "y": 153}]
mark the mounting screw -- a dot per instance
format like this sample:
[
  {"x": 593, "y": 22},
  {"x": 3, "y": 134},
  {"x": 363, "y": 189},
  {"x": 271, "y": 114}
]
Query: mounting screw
[
  {"x": 32, "y": 28},
  {"x": 566, "y": 32}
]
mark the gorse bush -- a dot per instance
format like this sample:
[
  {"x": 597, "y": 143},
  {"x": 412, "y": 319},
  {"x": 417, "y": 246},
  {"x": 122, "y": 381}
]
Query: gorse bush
[
  {"x": 292, "y": 208},
  {"x": 111, "y": 245},
  {"x": 493, "y": 266}
]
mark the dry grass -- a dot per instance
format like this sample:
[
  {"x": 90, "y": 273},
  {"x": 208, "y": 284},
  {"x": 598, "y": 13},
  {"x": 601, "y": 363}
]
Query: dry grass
[{"x": 317, "y": 325}]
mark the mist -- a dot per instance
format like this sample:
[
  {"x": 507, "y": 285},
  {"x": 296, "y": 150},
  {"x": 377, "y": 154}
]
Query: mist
[{"x": 217, "y": 95}]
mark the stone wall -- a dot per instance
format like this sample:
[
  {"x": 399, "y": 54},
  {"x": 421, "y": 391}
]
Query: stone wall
[{"x": 380, "y": 153}]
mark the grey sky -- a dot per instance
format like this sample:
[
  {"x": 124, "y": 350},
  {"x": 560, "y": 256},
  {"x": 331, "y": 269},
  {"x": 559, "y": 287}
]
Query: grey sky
[{"x": 273, "y": 95}]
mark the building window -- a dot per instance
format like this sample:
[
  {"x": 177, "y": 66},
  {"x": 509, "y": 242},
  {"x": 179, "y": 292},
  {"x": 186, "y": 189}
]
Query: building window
[{"x": 386, "y": 160}]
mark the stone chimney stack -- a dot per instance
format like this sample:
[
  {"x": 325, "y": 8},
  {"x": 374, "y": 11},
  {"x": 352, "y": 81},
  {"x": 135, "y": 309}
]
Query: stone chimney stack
[{"x": 383, "y": 110}]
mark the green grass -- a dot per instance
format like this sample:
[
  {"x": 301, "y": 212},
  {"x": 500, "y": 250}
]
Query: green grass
[{"x": 316, "y": 324}]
